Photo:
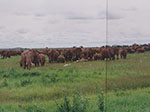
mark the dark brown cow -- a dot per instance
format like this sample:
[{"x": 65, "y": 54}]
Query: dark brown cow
[
  {"x": 41, "y": 59},
  {"x": 105, "y": 54},
  {"x": 140, "y": 50},
  {"x": 60, "y": 51},
  {"x": 123, "y": 53},
  {"x": 91, "y": 53},
  {"x": 111, "y": 52},
  {"x": 52, "y": 55},
  {"x": 68, "y": 53},
  {"x": 147, "y": 48},
  {"x": 61, "y": 59},
  {"x": 130, "y": 50},
  {"x": 5, "y": 53},
  {"x": 85, "y": 54},
  {"x": 43, "y": 51},
  {"x": 116, "y": 52},
  {"x": 9, "y": 53},
  {"x": 76, "y": 53},
  {"x": 97, "y": 56}
]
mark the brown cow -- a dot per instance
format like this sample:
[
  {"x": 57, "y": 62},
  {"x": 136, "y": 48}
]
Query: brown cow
[
  {"x": 61, "y": 59},
  {"x": 91, "y": 53},
  {"x": 5, "y": 54},
  {"x": 147, "y": 48},
  {"x": 140, "y": 50},
  {"x": 116, "y": 52},
  {"x": 123, "y": 53},
  {"x": 105, "y": 54},
  {"x": 27, "y": 58},
  {"x": 9, "y": 53},
  {"x": 76, "y": 53},
  {"x": 52, "y": 55},
  {"x": 41, "y": 59},
  {"x": 68, "y": 54},
  {"x": 85, "y": 54},
  {"x": 43, "y": 51},
  {"x": 97, "y": 56},
  {"x": 130, "y": 50},
  {"x": 111, "y": 52}
]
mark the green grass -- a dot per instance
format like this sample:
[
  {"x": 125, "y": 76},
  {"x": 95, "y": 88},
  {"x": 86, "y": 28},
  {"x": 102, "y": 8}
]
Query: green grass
[{"x": 39, "y": 88}]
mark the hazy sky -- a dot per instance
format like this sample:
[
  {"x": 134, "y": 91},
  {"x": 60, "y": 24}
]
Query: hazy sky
[{"x": 67, "y": 23}]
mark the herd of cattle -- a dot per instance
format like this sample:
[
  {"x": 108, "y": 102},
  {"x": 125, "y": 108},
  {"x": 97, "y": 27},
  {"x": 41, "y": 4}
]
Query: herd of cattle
[{"x": 38, "y": 56}]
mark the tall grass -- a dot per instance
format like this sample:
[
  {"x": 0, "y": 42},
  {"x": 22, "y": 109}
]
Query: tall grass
[{"x": 54, "y": 81}]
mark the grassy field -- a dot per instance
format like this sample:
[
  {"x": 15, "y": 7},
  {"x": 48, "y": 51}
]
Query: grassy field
[{"x": 39, "y": 89}]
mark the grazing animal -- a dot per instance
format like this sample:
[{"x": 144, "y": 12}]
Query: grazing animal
[
  {"x": 27, "y": 58},
  {"x": 41, "y": 59},
  {"x": 140, "y": 50},
  {"x": 97, "y": 56},
  {"x": 61, "y": 59},
  {"x": 68, "y": 54},
  {"x": 123, "y": 53},
  {"x": 76, "y": 53},
  {"x": 52, "y": 55},
  {"x": 105, "y": 54}
]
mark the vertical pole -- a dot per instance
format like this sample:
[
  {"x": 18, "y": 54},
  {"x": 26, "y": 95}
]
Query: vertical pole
[{"x": 106, "y": 59}]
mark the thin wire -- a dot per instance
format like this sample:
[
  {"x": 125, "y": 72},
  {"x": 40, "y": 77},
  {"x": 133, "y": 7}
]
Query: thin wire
[{"x": 106, "y": 77}]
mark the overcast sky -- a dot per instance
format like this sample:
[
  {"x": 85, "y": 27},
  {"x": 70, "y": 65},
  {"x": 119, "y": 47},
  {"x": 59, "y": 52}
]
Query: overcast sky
[{"x": 67, "y": 23}]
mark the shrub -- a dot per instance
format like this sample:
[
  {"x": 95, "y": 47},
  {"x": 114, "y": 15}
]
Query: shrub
[
  {"x": 53, "y": 78},
  {"x": 13, "y": 73},
  {"x": 25, "y": 82},
  {"x": 34, "y": 108},
  {"x": 2, "y": 71},
  {"x": 35, "y": 74},
  {"x": 78, "y": 105},
  {"x": 50, "y": 78},
  {"x": 65, "y": 106},
  {"x": 31, "y": 74},
  {"x": 2, "y": 109},
  {"x": 101, "y": 102},
  {"x": 4, "y": 83},
  {"x": 71, "y": 70}
]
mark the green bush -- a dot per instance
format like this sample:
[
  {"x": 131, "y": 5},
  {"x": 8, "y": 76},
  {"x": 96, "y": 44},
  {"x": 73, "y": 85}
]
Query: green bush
[
  {"x": 53, "y": 78},
  {"x": 31, "y": 73},
  {"x": 25, "y": 82},
  {"x": 12, "y": 73},
  {"x": 2, "y": 109},
  {"x": 65, "y": 106},
  {"x": 101, "y": 102},
  {"x": 50, "y": 78},
  {"x": 34, "y": 108},
  {"x": 78, "y": 105},
  {"x": 4, "y": 83}
]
